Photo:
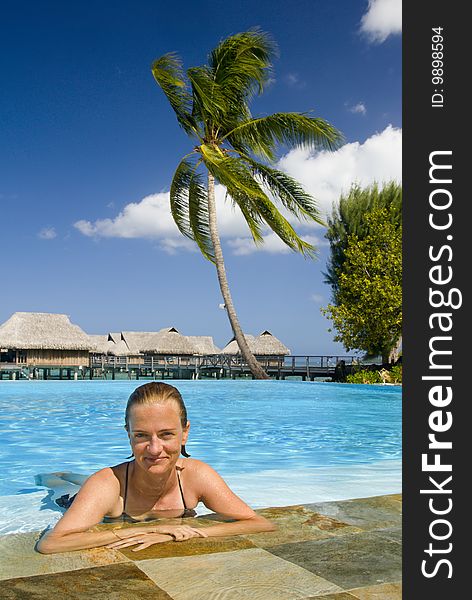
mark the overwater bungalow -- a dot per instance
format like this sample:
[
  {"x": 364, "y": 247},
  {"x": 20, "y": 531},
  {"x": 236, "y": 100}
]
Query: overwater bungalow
[
  {"x": 136, "y": 347},
  {"x": 203, "y": 345},
  {"x": 151, "y": 349},
  {"x": 166, "y": 342},
  {"x": 265, "y": 347},
  {"x": 30, "y": 339},
  {"x": 266, "y": 344},
  {"x": 110, "y": 344}
]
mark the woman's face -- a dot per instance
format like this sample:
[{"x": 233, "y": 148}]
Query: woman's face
[{"x": 156, "y": 436}]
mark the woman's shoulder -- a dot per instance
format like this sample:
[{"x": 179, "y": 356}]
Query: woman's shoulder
[
  {"x": 192, "y": 467},
  {"x": 191, "y": 464},
  {"x": 109, "y": 477}
]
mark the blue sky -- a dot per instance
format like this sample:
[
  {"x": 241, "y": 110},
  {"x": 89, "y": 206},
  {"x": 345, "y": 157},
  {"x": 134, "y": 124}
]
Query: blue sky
[{"x": 89, "y": 145}]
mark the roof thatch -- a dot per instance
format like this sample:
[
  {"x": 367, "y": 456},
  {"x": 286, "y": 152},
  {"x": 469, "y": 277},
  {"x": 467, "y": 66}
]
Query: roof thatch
[
  {"x": 264, "y": 344},
  {"x": 43, "y": 331},
  {"x": 100, "y": 342},
  {"x": 267, "y": 344},
  {"x": 137, "y": 341},
  {"x": 165, "y": 341},
  {"x": 110, "y": 343},
  {"x": 119, "y": 348},
  {"x": 233, "y": 348},
  {"x": 203, "y": 344}
]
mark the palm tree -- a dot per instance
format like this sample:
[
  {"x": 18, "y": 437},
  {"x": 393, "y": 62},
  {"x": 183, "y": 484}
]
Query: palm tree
[{"x": 212, "y": 106}]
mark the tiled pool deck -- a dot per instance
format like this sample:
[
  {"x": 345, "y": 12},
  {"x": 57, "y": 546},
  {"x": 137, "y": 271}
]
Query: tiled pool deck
[{"x": 343, "y": 550}]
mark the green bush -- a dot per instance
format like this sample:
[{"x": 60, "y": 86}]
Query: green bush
[
  {"x": 396, "y": 374},
  {"x": 383, "y": 376},
  {"x": 364, "y": 377}
]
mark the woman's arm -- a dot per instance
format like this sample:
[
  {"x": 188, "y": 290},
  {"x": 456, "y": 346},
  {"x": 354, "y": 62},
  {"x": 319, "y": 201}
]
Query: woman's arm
[
  {"x": 218, "y": 497},
  {"x": 95, "y": 499}
]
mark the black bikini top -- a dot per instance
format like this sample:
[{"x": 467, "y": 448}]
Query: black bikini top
[{"x": 188, "y": 512}]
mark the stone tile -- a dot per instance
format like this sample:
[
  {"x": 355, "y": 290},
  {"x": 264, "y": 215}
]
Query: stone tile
[
  {"x": 252, "y": 574},
  {"x": 192, "y": 547},
  {"x": 384, "y": 591},
  {"x": 392, "y": 533},
  {"x": 366, "y": 513},
  {"x": 340, "y": 596},
  {"x": 350, "y": 561},
  {"x": 18, "y": 558},
  {"x": 297, "y": 524},
  {"x": 113, "y": 582}
]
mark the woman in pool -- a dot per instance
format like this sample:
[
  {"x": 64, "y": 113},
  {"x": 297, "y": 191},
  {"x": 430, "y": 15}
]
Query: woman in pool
[{"x": 156, "y": 483}]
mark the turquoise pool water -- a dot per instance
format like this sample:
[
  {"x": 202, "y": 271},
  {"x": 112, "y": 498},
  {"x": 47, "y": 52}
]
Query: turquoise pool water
[{"x": 291, "y": 433}]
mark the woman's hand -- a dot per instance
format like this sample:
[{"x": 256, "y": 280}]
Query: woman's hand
[
  {"x": 179, "y": 532},
  {"x": 147, "y": 536}
]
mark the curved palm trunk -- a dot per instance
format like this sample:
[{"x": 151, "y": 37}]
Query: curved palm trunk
[{"x": 256, "y": 369}]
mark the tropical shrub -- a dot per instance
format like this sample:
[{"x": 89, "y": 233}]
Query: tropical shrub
[
  {"x": 393, "y": 375},
  {"x": 396, "y": 373},
  {"x": 364, "y": 376}
]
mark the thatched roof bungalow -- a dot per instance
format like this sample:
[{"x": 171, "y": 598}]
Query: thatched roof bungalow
[
  {"x": 100, "y": 343},
  {"x": 233, "y": 348},
  {"x": 165, "y": 342},
  {"x": 265, "y": 344},
  {"x": 110, "y": 344},
  {"x": 44, "y": 339},
  {"x": 203, "y": 345}
]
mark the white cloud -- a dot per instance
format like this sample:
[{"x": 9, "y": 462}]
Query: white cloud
[
  {"x": 47, "y": 233},
  {"x": 318, "y": 298},
  {"x": 325, "y": 175},
  {"x": 149, "y": 218},
  {"x": 359, "y": 108},
  {"x": 383, "y": 18},
  {"x": 272, "y": 244}
]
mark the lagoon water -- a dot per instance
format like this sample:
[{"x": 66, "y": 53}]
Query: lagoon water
[{"x": 275, "y": 442}]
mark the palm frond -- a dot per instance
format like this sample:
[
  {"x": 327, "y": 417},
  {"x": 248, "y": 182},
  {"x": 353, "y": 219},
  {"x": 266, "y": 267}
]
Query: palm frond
[
  {"x": 209, "y": 104},
  {"x": 179, "y": 196},
  {"x": 288, "y": 191},
  {"x": 241, "y": 186},
  {"x": 199, "y": 216},
  {"x": 256, "y": 207},
  {"x": 241, "y": 63},
  {"x": 231, "y": 172},
  {"x": 261, "y": 136},
  {"x": 282, "y": 228},
  {"x": 167, "y": 71},
  {"x": 251, "y": 216},
  {"x": 189, "y": 206}
]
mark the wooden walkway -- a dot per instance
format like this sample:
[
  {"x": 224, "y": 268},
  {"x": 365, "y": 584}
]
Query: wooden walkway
[{"x": 220, "y": 366}]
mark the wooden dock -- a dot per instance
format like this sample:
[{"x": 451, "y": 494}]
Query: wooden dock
[{"x": 222, "y": 366}]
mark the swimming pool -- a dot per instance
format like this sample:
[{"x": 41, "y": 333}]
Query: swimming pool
[{"x": 276, "y": 442}]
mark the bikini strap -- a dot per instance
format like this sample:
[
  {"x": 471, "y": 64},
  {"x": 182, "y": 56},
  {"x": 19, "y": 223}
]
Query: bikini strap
[
  {"x": 126, "y": 486},
  {"x": 181, "y": 492}
]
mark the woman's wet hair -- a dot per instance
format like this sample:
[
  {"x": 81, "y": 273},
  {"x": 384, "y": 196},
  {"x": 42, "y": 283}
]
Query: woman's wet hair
[{"x": 157, "y": 392}]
